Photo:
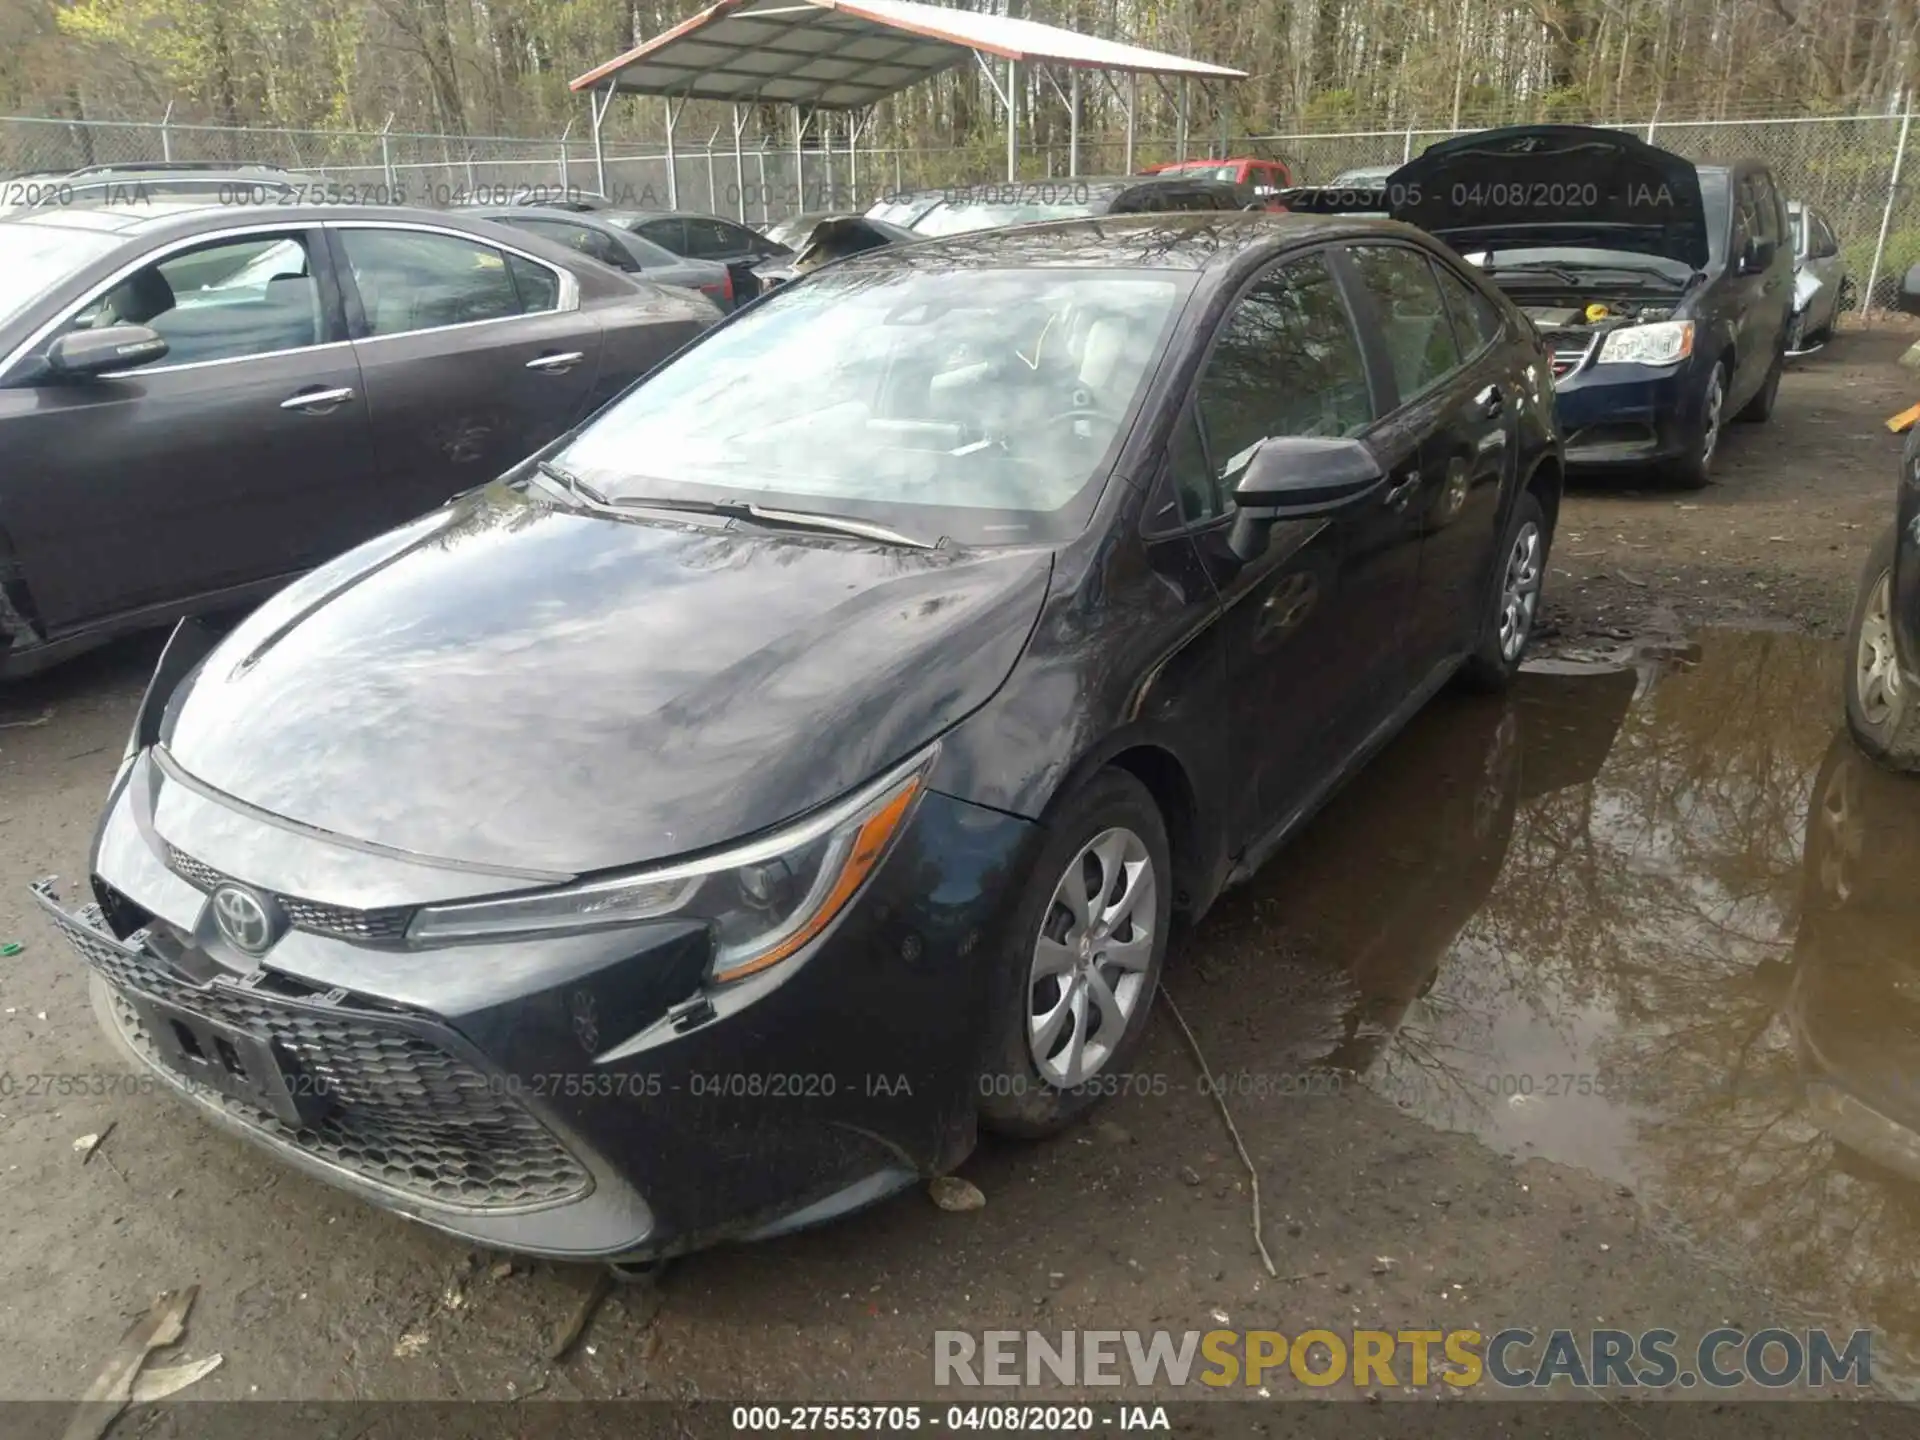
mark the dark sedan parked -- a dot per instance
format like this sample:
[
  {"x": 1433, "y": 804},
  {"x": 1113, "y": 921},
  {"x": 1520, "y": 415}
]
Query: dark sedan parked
[
  {"x": 695, "y": 834},
  {"x": 989, "y": 206},
  {"x": 198, "y": 402},
  {"x": 1883, "y": 642},
  {"x": 1664, "y": 289},
  {"x": 603, "y": 235}
]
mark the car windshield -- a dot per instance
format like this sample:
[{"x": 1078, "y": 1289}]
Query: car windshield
[
  {"x": 983, "y": 405},
  {"x": 35, "y": 258},
  {"x": 958, "y": 217}
]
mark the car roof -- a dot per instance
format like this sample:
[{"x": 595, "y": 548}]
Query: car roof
[
  {"x": 186, "y": 216},
  {"x": 1193, "y": 241}
]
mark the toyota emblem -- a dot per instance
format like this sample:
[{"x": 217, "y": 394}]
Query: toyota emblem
[{"x": 243, "y": 917}]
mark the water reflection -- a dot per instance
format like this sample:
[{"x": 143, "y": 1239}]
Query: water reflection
[{"x": 1661, "y": 926}]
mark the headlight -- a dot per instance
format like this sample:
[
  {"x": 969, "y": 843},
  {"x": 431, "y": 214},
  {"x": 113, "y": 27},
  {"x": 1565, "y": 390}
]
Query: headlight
[
  {"x": 1659, "y": 344},
  {"x": 762, "y": 901}
]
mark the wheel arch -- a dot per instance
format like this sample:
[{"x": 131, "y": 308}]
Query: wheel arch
[{"x": 1193, "y": 834}]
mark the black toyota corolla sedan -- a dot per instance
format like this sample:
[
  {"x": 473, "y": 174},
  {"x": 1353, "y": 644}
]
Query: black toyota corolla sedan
[{"x": 698, "y": 832}]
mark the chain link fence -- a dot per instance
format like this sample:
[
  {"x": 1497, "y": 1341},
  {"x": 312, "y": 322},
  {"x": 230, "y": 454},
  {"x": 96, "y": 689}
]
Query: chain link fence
[{"x": 1854, "y": 169}]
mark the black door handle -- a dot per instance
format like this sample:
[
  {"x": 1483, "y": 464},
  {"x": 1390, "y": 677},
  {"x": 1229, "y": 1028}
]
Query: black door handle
[
  {"x": 1402, "y": 492},
  {"x": 1490, "y": 401}
]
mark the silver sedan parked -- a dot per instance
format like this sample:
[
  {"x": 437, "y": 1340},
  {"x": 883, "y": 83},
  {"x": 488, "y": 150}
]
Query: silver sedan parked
[{"x": 1819, "y": 272}]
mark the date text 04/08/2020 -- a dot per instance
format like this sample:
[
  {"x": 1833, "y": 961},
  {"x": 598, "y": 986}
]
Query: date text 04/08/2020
[{"x": 995, "y": 1419}]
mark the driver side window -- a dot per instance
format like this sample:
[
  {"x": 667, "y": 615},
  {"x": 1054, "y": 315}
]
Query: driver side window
[
  {"x": 254, "y": 295},
  {"x": 1287, "y": 362}
]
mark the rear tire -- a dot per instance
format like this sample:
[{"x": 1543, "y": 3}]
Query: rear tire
[
  {"x": 1694, "y": 470},
  {"x": 1883, "y": 711},
  {"x": 1082, "y": 960},
  {"x": 1515, "y": 604}
]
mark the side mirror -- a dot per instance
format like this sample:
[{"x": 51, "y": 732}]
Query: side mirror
[
  {"x": 83, "y": 354},
  {"x": 1295, "y": 477}
]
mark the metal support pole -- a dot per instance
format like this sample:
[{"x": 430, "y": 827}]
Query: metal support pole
[
  {"x": 1185, "y": 93},
  {"x": 854, "y": 126},
  {"x": 673, "y": 162},
  {"x": 598, "y": 109},
  {"x": 1013, "y": 121},
  {"x": 1653, "y": 119},
  {"x": 1073, "y": 122},
  {"x": 799, "y": 162},
  {"x": 1406, "y": 150},
  {"x": 760, "y": 161},
  {"x": 566, "y": 184},
  {"x": 713, "y": 198},
  {"x": 739, "y": 168},
  {"x": 166, "y": 137},
  {"x": 1133, "y": 104},
  {"x": 386, "y": 159},
  {"x": 1886, "y": 215}
]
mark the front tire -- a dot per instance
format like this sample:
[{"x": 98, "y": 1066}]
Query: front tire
[
  {"x": 1504, "y": 632},
  {"x": 1083, "y": 956},
  {"x": 1883, "y": 712},
  {"x": 1694, "y": 470}
]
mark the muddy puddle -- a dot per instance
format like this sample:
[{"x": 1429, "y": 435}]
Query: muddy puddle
[{"x": 1661, "y": 922}]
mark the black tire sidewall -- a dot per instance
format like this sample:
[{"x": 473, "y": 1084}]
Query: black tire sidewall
[
  {"x": 1013, "y": 1097},
  {"x": 1487, "y": 669},
  {"x": 1686, "y": 470},
  {"x": 1880, "y": 740}
]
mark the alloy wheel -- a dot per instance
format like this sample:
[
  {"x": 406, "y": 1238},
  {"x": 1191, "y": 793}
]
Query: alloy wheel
[
  {"x": 1876, "y": 666},
  {"x": 1714, "y": 402},
  {"x": 1520, "y": 592},
  {"x": 1090, "y": 962}
]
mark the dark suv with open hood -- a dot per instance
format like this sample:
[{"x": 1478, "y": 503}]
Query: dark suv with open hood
[{"x": 1663, "y": 288}]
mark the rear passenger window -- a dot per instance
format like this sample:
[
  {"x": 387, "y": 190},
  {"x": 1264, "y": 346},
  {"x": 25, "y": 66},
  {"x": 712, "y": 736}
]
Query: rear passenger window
[
  {"x": 538, "y": 285},
  {"x": 1418, "y": 334},
  {"x": 668, "y": 234},
  {"x": 1287, "y": 363},
  {"x": 219, "y": 301},
  {"x": 419, "y": 280},
  {"x": 1476, "y": 324}
]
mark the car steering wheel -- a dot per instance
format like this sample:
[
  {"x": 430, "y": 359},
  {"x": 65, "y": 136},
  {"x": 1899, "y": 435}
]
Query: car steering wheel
[{"x": 1082, "y": 412}]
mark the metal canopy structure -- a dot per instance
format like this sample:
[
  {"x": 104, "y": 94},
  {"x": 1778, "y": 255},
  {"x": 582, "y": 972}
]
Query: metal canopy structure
[{"x": 847, "y": 55}]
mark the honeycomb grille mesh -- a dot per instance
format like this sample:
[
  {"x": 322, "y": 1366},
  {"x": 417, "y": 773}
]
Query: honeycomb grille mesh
[
  {"x": 339, "y": 921},
  {"x": 405, "y": 1114}
]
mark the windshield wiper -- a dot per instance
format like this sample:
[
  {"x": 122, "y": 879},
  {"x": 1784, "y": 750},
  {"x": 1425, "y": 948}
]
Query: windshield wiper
[
  {"x": 788, "y": 519},
  {"x": 1534, "y": 267},
  {"x": 570, "y": 482}
]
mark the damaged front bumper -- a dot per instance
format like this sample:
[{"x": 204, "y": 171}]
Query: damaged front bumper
[{"x": 577, "y": 1096}]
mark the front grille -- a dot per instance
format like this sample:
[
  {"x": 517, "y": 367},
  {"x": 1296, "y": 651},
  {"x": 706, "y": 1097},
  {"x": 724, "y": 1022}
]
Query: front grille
[
  {"x": 404, "y": 1114},
  {"x": 1569, "y": 350},
  {"x": 339, "y": 921}
]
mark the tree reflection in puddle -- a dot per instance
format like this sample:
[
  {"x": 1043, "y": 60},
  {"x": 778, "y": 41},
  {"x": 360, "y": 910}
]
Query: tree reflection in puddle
[{"x": 1661, "y": 926}]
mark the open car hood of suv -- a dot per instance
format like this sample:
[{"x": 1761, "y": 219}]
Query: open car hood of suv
[{"x": 1554, "y": 185}]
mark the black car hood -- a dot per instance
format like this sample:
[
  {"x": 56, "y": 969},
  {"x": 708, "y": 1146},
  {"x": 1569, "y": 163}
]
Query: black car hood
[
  {"x": 1554, "y": 185},
  {"x": 512, "y": 684}
]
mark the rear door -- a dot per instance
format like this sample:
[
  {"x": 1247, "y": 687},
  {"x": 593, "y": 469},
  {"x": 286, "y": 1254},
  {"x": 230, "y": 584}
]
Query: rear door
[
  {"x": 242, "y": 455},
  {"x": 474, "y": 355},
  {"x": 1442, "y": 339}
]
